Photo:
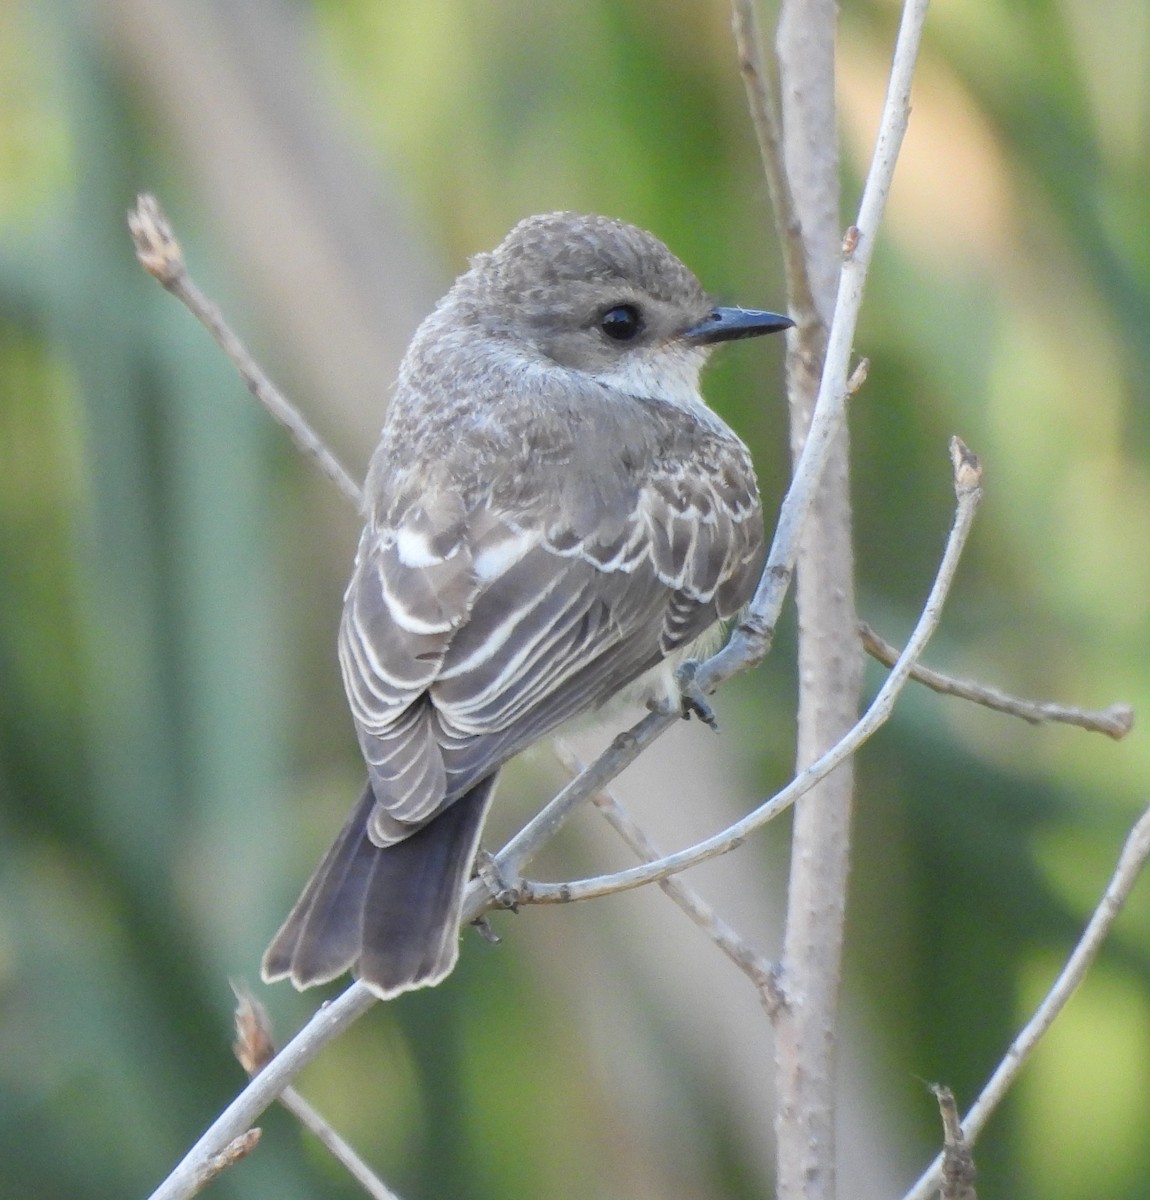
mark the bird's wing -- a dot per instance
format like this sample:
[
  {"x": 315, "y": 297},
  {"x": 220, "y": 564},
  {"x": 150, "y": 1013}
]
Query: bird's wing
[
  {"x": 411, "y": 590},
  {"x": 468, "y": 633}
]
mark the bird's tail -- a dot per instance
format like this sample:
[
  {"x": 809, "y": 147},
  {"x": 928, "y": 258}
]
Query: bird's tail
[{"x": 390, "y": 914}]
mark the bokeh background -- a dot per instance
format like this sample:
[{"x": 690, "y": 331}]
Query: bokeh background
[{"x": 174, "y": 749}]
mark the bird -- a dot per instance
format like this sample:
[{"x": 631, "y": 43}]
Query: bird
[{"x": 554, "y": 517}]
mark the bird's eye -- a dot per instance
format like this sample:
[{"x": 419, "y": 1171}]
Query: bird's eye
[{"x": 621, "y": 323}]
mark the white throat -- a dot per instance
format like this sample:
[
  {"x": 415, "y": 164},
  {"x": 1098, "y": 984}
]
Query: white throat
[{"x": 663, "y": 373}]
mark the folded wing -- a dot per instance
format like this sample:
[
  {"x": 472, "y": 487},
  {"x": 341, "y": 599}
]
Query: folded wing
[{"x": 472, "y": 626}]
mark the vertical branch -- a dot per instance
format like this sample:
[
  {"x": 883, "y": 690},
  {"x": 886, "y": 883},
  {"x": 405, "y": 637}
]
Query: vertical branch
[
  {"x": 830, "y": 663},
  {"x": 829, "y": 656},
  {"x": 760, "y": 77}
]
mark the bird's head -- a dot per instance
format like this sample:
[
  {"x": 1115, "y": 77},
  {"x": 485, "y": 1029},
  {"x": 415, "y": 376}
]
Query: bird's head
[{"x": 604, "y": 298}]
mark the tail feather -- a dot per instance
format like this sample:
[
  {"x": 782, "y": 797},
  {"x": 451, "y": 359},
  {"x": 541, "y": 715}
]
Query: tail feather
[{"x": 390, "y": 914}]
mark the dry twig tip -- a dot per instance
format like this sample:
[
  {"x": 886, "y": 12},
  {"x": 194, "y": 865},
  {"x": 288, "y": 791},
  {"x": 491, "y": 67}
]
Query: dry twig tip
[
  {"x": 858, "y": 377},
  {"x": 967, "y": 465},
  {"x": 156, "y": 246},
  {"x": 160, "y": 255},
  {"x": 958, "y": 1170},
  {"x": 253, "y": 1046}
]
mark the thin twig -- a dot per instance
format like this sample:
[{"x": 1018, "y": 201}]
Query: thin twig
[
  {"x": 1115, "y": 721},
  {"x": 255, "y": 1048},
  {"x": 160, "y": 255},
  {"x": 754, "y": 965},
  {"x": 752, "y": 639},
  {"x": 762, "y": 91},
  {"x": 1130, "y": 863},
  {"x": 968, "y": 477},
  {"x": 323, "y": 1027},
  {"x": 345, "y": 1154}
]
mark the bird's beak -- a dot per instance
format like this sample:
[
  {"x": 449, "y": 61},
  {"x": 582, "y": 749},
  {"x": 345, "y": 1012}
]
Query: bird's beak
[{"x": 727, "y": 324}]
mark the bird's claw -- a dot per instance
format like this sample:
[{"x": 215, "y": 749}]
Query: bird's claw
[{"x": 482, "y": 926}]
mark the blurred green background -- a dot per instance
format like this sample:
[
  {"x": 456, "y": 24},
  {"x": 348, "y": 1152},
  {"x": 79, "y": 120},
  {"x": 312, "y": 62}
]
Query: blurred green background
[{"x": 174, "y": 749}]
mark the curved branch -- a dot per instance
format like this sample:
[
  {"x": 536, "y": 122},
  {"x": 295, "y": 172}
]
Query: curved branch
[
  {"x": 752, "y": 639},
  {"x": 968, "y": 476}
]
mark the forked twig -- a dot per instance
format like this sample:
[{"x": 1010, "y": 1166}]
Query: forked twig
[
  {"x": 255, "y": 1049},
  {"x": 322, "y": 1027},
  {"x": 757, "y": 968}
]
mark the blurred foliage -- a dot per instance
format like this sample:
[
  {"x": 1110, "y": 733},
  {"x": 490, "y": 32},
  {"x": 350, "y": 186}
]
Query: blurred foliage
[{"x": 160, "y": 692}]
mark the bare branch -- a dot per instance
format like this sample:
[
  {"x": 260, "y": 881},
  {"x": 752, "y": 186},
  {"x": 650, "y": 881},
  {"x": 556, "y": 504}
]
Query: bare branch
[
  {"x": 757, "y": 968},
  {"x": 762, "y": 90},
  {"x": 344, "y": 1153},
  {"x": 160, "y": 255},
  {"x": 751, "y": 641},
  {"x": 1115, "y": 721},
  {"x": 1130, "y": 863},
  {"x": 324, "y": 1026},
  {"x": 969, "y": 492},
  {"x": 255, "y": 1048},
  {"x": 829, "y": 661}
]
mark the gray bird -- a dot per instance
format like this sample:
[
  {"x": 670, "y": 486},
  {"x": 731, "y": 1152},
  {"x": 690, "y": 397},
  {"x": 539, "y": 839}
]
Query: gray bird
[{"x": 554, "y": 514}]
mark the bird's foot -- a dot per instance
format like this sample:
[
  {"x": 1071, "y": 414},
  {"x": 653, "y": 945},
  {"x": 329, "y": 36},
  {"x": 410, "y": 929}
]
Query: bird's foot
[
  {"x": 505, "y": 894},
  {"x": 691, "y": 698}
]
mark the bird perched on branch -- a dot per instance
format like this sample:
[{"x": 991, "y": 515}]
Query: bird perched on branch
[{"x": 553, "y": 514}]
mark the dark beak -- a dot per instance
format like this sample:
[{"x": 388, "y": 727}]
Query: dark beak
[{"x": 727, "y": 324}]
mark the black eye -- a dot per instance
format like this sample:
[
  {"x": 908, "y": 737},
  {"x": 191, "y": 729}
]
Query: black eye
[{"x": 621, "y": 323}]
